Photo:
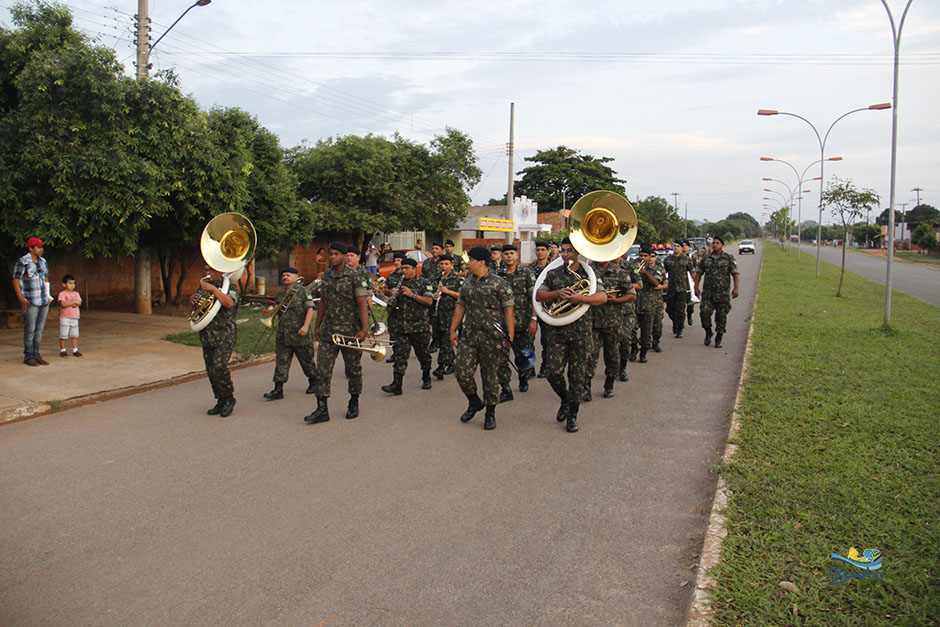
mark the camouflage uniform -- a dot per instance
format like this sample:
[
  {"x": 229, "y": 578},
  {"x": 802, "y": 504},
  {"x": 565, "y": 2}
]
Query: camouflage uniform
[
  {"x": 569, "y": 342},
  {"x": 218, "y": 340},
  {"x": 445, "y": 314},
  {"x": 608, "y": 322},
  {"x": 414, "y": 326},
  {"x": 677, "y": 270},
  {"x": 629, "y": 314},
  {"x": 393, "y": 281},
  {"x": 521, "y": 281},
  {"x": 648, "y": 300},
  {"x": 459, "y": 265},
  {"x": 716, "y": 290},
  {"x": 696, "y": 258},
  {"x": 288, "y": 342},
  {"x": 338, "y": 293},
  {"x": 431, "y": 271},
  {"x": 545, "y": 330},
  {"x": 484, "y": 300}
]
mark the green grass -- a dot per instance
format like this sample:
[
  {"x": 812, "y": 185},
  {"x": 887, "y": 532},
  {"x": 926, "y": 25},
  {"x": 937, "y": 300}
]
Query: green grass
[
  {"x": 839, "y": 447},
  {"x": 916, "y": 257},
  {"x": 249, "y": 330}
]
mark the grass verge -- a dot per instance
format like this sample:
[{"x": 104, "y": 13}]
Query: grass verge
[{"x": 839, "y": 447}]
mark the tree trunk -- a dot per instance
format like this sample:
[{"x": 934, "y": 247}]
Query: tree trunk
[
  {"x": 166, "y": 271},
  {"x": 142, "y": 282},
  {"x": 179, "y": 282}
]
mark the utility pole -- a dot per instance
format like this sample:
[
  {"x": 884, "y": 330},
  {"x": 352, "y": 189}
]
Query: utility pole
[
  {"x": 142, "y": 272},
  {"x": 903, "y": 213},
  {"x": 685, "y": 232},
  {"x": 512, "y": 120},
  {"x": 917, "y": 190}
]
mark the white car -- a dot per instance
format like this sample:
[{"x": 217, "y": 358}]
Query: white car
[{"x": 745, "y": 246}]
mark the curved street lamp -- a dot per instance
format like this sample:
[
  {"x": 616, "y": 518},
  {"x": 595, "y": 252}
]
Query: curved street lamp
[{"x": 822, "y": 154}]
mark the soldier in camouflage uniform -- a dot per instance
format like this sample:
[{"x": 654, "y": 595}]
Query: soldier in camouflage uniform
[
  {"x": 651, "y": 279},
  {"x": 536, "y": 267},
  {"x": 569, "y": 342},
  {"x": 293, "y": 334},
  {"x": 218, "y": 340},
  {"x": 448, "y": 291},
  {"x": 485, "y": 300},
  {"x": 431, "y": 271},
  {"x": 607, "y": 323},
  {"x": 496, "y": 258},
  {"x": 694, "y": 258},
  {"x": 343, "y": 309},
  {"x": 521, "y": 281},
  {"x": 460, "y": 268},
  {"x": 392, "y": 283},
  {"x": 718, "y": 268},
  {"x": 678, "y": 266},
  {"x": 414, "y": 298},
  {"x": 629, "y": 320}
]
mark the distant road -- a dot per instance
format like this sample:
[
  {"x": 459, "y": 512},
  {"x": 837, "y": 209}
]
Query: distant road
[{"x": 919, "y": 281}]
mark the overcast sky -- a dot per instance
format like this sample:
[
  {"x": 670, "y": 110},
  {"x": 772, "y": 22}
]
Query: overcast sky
[{"x": 669, "y": 89}]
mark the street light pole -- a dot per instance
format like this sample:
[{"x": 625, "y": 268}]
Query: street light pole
[
  {"x": 896, "y": 39},
  {"x": 142, "y": 272},
  {"x": 822, "y": 155}
]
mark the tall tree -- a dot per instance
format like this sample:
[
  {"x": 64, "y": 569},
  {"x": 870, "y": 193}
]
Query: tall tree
[
  {"x": 848, "y": 204},
  {"x": 562, "y": 174},
  {"x": 661, "y": 216},
  {"x": 923, "y": 214}
]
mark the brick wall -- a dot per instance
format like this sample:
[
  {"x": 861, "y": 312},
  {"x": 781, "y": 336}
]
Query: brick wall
[{"x": 554, "y": 218}]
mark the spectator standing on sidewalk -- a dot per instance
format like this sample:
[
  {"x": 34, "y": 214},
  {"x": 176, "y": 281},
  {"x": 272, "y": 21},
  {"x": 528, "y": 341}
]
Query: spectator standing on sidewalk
[
  {"x": 69, "y": 302},
  {"x": 31, "y": 284}
]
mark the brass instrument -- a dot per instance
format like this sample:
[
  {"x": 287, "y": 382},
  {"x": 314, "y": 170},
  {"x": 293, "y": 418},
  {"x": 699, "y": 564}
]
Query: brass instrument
[
  {"x": 228, "y": 243},
  {"x": 285, "y": 303},
  {"x": 377, "y": 349},
  {"x": 603, "y": 226}
]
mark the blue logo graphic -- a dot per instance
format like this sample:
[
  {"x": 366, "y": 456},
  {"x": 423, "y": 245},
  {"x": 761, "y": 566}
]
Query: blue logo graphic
[{"x": 866, "y": 566}]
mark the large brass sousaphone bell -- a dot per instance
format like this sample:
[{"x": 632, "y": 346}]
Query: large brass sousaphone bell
[{"x": 227, "y": 245}]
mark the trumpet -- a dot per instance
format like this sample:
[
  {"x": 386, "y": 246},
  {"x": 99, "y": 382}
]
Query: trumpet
[{"x": 376, "y": 348}]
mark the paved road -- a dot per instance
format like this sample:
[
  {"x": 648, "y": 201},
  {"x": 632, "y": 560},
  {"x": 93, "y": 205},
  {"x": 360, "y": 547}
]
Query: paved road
[
  {"x": 919, "y": 281},
  {"x": 143, "y": 510}
]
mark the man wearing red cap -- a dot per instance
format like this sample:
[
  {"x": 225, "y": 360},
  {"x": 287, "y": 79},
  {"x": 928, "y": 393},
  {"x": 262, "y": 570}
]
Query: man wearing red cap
[{"x": 31, "y": 284}]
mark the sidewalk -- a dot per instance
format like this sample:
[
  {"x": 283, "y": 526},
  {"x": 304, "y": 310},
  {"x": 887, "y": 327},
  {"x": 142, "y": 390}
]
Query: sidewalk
[{"x": 123, "y": 353}]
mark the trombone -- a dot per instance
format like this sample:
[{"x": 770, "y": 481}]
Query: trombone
[{"x": 377, "y": 349}]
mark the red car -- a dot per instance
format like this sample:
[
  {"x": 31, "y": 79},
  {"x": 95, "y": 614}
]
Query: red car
[{"x": 387, "y": 260}]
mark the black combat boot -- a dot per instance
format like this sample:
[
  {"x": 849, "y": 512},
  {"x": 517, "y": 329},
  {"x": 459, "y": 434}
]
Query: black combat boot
[
  {"x": 690, "y": 318},
  {"x": 474, "y": 406},
  {"x": 656, "y": 348},
  {"x": 449, "y": 369},
  {"x": 320, "y": 414},
  {"x": 352, "y": 409},
  {"x": 634, "y": 349},
  {"x": 395, "y": 386},
  {"x": 718, "y": 340},
  {"x": 227, "y": 406},
  {"x": 390, "y": 360},
  {"x": 679, "y": 334},
  {"x": 623, "y": 370},
  {"x": 708, "y": 337},
  {"x": 425, "y": 380},
  {"x": 433, "y": 347},
  {"x": 524, "y": 381},
  {"x": 277, "y": 393},
  {"x": 439, "y": 372},
  {"x": 572, "y": 425},
  {"x": 214, "y": 411},
  {"x": 541, "y": 374},
  {"x": 505, "y": 394},
  {"x": 562, "y": 410},
  {"x": 609, "y": 387},
  {"x": 311, "y": 385},
  {"x": 586, "y": 393},
  {"x": 489, "y": 419},
  {"x": 643, "y": 359}
]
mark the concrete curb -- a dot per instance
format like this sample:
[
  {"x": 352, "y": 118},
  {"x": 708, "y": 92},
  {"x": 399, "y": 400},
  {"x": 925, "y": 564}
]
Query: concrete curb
[
  {"x": 710, "y": 555},
  {"x": 35, "y": 409}
]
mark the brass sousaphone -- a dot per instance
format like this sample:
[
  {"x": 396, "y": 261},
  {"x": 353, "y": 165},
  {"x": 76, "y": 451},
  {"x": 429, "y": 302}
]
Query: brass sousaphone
[
  {"x": 602, "y": 226},
  {"x": 227, "y": 244}
]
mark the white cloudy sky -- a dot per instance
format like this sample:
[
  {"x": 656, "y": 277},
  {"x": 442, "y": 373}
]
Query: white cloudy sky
[{"x": 669, "y": 89}]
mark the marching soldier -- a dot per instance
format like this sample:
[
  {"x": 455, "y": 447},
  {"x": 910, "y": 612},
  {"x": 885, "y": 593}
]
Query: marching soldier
[
  {"x": 649, "y": 279},
  {"x": 448, "y": 290},
  {"x": 496, "y": 258},
  {"x": 718, "y": 268},
  {"x": 536, "y": 267},
  {"x": 431, "y": 271},
  {"x": 693, "y": 258},
  {"x": 607, "y": 323},
  {"x": 343, "y": 309},
  {"x": 678, "y": 266},
  {"x": 460, "y": 268},
  {"x": 293, "y": 334},
  {"x": 392, "y": 283},
  {"x": 414, "y": 298},
  {"x": 485, "y": 300},
  {"x": 569, "y": 341},
  {"x": 218, "y": 340},
  {"x": 521, "y": 281},
  {"x": 628, "y": 328}
]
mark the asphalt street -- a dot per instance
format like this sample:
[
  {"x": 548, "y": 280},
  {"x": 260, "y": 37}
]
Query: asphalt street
[
  {"x": 917, "y": 280},
  {"x": 144, "y": 510}
]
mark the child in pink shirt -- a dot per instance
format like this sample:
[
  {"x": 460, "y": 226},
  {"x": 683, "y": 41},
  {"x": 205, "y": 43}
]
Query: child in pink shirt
[{"x": 69, "y": 301}]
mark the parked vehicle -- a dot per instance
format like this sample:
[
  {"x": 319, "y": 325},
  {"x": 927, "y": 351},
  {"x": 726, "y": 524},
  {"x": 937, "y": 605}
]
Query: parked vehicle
[
  {"x": 633, "y": 252},
  {"x": 387, "y": 260},
  {"x": 745, "y": 246}
]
